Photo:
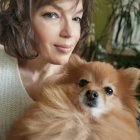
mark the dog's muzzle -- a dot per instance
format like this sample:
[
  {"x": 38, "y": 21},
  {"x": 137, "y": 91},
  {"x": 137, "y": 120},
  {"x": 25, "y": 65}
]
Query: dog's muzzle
[{"x": 91, "y": 98}]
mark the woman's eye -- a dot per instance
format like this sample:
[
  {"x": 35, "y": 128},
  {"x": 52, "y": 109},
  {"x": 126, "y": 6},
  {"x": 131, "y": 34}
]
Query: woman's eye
[
  {"x": 83, "y": 82},
  {"x": 52, "y": 15},
  {"x": 108, "y": 90},
  {"x": 77, "y": 19}
]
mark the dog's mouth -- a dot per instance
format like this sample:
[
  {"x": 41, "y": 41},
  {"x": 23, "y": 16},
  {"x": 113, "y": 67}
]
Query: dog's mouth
[
  {"x": 91, "y": 103},
  {"x": 91, "y": 98}
]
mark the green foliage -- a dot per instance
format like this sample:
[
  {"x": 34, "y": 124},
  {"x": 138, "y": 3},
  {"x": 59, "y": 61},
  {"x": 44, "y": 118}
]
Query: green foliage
[{"x": 106, "y": 14}]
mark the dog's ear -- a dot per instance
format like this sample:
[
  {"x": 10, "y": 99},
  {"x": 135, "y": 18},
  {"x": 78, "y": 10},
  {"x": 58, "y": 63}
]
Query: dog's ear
[
  {"x": 75, "y": 60},
  {"x": 129, "y": 79},
  {"x": 131, "y": 76},
  {"x": 72, "y": 70}
]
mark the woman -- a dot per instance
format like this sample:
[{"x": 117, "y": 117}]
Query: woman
[{"x": 37, "y": 37}]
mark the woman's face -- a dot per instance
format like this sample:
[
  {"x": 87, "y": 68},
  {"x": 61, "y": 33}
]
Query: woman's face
[{"x": 57, "y": 30}]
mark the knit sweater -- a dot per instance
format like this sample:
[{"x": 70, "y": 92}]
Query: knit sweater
[{"x": 13, "y": 96}]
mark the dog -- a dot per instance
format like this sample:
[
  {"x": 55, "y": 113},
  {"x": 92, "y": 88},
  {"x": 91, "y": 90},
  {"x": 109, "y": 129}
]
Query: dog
[{"x": 91, "y": 101}]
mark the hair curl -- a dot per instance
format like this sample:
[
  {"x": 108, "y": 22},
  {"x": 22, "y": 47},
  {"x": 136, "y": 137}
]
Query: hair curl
[{"x": 16, "y": 32}]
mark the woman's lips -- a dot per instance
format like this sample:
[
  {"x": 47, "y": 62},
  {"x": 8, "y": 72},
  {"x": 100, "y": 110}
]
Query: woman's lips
[{"x": 64, "y": 48}]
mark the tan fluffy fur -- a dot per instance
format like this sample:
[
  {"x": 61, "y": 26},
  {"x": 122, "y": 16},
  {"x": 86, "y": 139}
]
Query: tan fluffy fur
[{"x": 59, "y": 115}]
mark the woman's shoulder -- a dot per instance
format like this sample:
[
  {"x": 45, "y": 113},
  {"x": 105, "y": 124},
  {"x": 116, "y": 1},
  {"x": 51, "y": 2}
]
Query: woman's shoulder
[
  {"x": 1, "y": 48},
  {"x": 4, "y": 57},
  {"x": 2, "y": 51}
]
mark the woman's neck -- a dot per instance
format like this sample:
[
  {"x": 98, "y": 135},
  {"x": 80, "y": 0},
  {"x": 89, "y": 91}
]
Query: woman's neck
[
  {"x": 38, "y": 65},
  {"x": 34, "y": 73}
]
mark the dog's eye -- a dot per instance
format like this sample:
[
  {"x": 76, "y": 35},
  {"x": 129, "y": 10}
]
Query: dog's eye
[
  {"x": 83, "y": 82},
  {"x": 108, "y": 90}
]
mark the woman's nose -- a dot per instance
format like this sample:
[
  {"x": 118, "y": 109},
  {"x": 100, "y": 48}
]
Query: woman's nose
[{"x": 67, "y": 31}]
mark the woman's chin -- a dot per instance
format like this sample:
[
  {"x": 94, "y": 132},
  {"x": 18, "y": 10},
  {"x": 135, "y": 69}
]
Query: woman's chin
[{"x": 61, "y": 61}]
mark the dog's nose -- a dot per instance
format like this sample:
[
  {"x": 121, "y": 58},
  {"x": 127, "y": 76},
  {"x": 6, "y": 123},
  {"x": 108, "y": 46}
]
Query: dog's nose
[{"x": 91, "y": 94}]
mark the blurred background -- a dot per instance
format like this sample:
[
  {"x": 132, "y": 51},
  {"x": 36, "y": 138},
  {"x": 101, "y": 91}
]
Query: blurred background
[{"x": 115, "y": 33}]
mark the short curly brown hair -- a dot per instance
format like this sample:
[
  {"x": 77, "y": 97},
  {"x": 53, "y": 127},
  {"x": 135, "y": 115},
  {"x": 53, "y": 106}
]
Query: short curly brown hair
[{"x": 16, "y": 33}]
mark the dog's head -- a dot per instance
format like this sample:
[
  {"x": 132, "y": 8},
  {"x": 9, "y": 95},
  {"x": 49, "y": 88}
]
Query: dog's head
[{"x": 98, "y": 88}]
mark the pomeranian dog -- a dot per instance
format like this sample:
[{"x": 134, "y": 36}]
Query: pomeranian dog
[{"x": 91, "y": 101}]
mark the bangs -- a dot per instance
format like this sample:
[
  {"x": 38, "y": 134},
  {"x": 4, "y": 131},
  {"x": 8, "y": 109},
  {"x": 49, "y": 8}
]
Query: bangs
[
  {"x": 36, "y": 4},
  {"x": 40, "y": 3}
]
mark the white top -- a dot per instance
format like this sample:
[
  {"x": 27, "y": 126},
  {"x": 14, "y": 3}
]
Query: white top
[{"x": 13, "y": 96}]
